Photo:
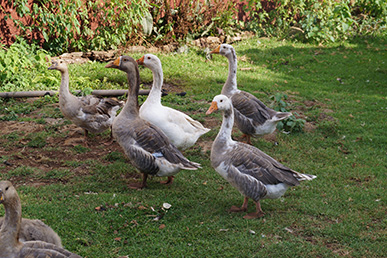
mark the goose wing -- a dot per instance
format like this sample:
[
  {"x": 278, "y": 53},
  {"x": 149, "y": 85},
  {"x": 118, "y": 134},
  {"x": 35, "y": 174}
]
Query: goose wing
[
  {"x": 248, "y": 105},
  {"x": 254, "y": 162},
  {"x": 100, "y": 106},
  {"x": 43, "y": 249},
  {"x": 154, "y": 141},
  {"x": 144, "y": 143}
]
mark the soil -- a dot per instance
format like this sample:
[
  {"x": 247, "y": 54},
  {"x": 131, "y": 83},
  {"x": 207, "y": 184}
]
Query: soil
[
  {"x": 61, "y": 148},
  {"x": 65, "y": 142}
]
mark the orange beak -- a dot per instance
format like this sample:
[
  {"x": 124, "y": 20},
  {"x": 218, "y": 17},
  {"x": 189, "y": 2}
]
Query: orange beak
[
  {"x": 140, "y": 61},
  {"x": 213, "y": 107},
  {"x": 215, "y": 51},
  {"x": 114, "y": 64}
]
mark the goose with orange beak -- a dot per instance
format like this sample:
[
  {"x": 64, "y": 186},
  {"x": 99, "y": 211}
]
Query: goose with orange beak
[
  {"x": 253, "y": 173},
  {"x": 182, "y": 130},
  {"x": 252, "y": 116},
  {"x": 146, "y": 146}
]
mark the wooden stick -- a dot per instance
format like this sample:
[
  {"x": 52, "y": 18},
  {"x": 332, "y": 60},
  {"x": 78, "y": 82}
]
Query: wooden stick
[{"x": 31, "y": 94}]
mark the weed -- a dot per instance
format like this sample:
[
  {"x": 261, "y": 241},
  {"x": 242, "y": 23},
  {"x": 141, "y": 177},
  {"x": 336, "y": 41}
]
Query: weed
[
  {"x": 115, "y": 156},
  {"x": 80, "y": 149},
  {"x": 291, "y": 124},
  {"x": 22, "y": 171},
  {"x": 37, "y": 140},
  {"x": 57, "y": 174}
]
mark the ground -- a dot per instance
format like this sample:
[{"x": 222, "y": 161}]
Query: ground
[{"x": 21, "y": 144}]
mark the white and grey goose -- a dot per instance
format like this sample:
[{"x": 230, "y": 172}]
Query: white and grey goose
[
  {"x": 252, "y": 117},
  {"x": 93, "y": 114},
  {"x": 253, "y": 173},
  {"x": 146, "y": 146},
  {"x": 10, "y": 245},
  {"x": 182, "y": 130}
]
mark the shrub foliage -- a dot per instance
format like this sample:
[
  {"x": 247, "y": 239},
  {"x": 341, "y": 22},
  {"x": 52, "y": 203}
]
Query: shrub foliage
[
  {"x": 82, "y": 25},
  {"x": 317, "y": 21}
]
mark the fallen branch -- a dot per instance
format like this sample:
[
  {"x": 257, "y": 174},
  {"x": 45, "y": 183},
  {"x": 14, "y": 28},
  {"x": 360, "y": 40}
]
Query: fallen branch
[{"x": 31, "y": 94}]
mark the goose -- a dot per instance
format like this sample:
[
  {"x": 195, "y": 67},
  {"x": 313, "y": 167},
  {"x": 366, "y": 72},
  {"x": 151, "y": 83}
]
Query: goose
[
  {"x": 253, "y": 173},
  {"x": 34, "y": 229},
  {"x": 10, "y": 246},
  {"x": 252, "y": 117},
  {"x": 146, "y": 146},
  {"x": 91, "y": 113},
  {"x": 182, "y": 130}
]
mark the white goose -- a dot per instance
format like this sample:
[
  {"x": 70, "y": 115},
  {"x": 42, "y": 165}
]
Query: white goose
[
  {"x": 10, "y": 245},
  {"x": 146, "y": 146},
  {"x": 182, "y": 130},
  {"x": 93, "y": 114},
  {"x": 253, "y": 173},
  {"x": 252, "y": 117}
]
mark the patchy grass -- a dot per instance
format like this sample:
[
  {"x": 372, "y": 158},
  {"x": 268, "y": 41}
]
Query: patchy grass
[{"x": 339, "y": 89}]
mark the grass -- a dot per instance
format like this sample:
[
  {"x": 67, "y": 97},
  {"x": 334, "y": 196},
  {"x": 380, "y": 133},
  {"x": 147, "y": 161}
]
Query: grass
[{"x": 339, "y": 89}]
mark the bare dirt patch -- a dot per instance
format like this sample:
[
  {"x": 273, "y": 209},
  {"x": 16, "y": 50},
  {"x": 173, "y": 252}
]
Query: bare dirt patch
[{"x": 63, "y": 147}]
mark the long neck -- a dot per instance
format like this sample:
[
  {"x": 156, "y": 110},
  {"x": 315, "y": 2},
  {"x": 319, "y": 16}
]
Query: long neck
[
  {"x": 155, "y": 92},
  {"x": 231, "y": 84},
  {"x": 131, "y": 106},
  {"x": 9, "y": 233},
  {"x": 224, "y": 134},
  {"x": 64, "y": 85}
]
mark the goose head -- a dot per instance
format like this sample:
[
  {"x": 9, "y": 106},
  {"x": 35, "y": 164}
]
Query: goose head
[
  {"x": 150, "y": 61},
  {"x": 220, "y": 102},
  {"x": 123, "y": 63},
  {"x": 59, "y": 65},
  {"x": 7, "y": 192},
  {"x": 224, "y": 50}
]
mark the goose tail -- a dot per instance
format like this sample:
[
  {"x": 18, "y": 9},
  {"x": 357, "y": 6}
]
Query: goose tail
[
  {"x": 304, "y": 177},
  {"x": 281, "y": 116}
]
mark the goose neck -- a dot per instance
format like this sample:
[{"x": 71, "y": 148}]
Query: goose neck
[
  {"x": 64, "y": 85},
  {"x": 225, "y": 131},
  {"x": 155, "y": 92},
  {"x": 231, "y": 84},
  {"x": 9, "y": 232},
  {"x": 131, "y": 106}
]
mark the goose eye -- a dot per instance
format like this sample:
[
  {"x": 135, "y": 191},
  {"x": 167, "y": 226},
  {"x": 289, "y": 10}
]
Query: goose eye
[
  {"x": 149, "y": 57},
  {"x": 221, "y": 100},
  {"x": 6, "y": 189}
]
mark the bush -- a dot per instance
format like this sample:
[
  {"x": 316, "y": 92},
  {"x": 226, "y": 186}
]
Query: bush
[
  {"x": 181, "y": 19},
  {"x": 77, "y": 25},
  {"x": 20, "y": 63},
  {"x": 318, "y": 21}
]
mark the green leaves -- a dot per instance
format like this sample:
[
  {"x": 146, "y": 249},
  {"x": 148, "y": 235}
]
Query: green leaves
[
  {"x": 291, "y": 124},
  {"x": 18, "y": 64},
  {"x": 320, "y": 21},
  {"x": 70, "y": 25}
]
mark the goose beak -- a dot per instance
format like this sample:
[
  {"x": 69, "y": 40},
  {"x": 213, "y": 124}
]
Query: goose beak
[
  {"x": 1, "y": 196},
  {"x": 215, "y": 51},
  {"x": 213, "y": 107},
  {"x": 114, "y": 64},
  {"x": 53, "y": 65},
  {"x": 140, "y": 61}
]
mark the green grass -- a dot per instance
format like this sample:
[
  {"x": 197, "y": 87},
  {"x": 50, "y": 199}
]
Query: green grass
[{"x": 340, "y": 89}]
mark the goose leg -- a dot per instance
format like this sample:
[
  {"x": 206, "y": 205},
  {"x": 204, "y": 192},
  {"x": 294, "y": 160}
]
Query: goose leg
[
  {"x": 86, "y": 138},
  {"x": 111, "y": 140},
  {"x": 240, "y": 209},
  {"x": 257, "y": 214},
  {"x": 140, "y": 185},
  {"x": 168, "y": 181},
  {"x": 248, "y": 138}
]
